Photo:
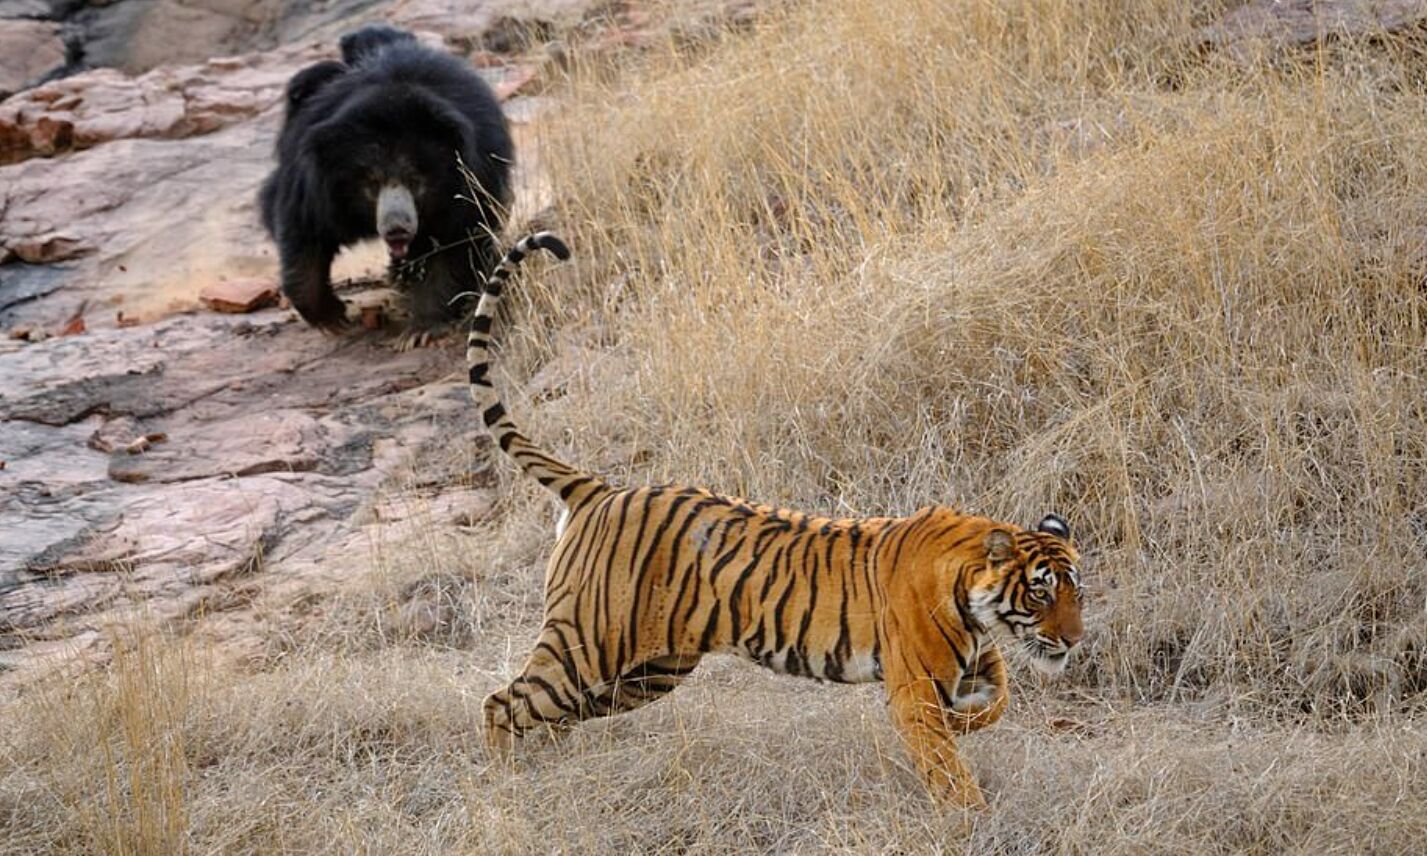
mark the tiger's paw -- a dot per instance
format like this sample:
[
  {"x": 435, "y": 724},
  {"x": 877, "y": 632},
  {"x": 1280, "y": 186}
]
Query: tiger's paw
[
  {"x": 966, "y": 796},
  {"x": 497, "y": 729},
  {"x": 974, "y": 701}
]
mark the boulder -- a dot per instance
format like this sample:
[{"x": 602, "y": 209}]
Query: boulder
[{"x": 28, "y": 51}]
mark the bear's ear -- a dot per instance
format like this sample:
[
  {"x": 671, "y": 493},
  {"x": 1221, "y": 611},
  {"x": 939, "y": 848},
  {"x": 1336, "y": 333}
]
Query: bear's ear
[
  {"x": 309, "y": 80},
  {"x": 1000, "y": 546},
  {"x": 1054, "y": 524}
]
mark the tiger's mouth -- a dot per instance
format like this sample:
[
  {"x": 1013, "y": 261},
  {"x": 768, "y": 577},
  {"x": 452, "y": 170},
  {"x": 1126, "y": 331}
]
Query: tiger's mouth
[
  {"x": 1048, "y": 658},
  {"x": 1050, "y": 664}
]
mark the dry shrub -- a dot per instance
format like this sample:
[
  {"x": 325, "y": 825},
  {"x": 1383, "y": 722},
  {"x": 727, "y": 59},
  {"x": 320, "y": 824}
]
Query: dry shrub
[{"x": 101, "y": 762}]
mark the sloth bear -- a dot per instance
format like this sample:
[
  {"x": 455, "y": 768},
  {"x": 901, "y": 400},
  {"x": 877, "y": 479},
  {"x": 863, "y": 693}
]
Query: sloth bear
[{"x": 399, "y": 141}]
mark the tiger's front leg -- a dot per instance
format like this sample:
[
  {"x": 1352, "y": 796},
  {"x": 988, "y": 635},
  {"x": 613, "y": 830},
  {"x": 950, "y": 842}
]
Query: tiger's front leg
[
  {"x": 980, "y": 696},
  {"x": 919, "y": 717}
]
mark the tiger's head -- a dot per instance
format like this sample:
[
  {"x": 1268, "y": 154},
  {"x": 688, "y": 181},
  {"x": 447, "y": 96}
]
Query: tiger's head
[{"x": 1030, "y": 590}]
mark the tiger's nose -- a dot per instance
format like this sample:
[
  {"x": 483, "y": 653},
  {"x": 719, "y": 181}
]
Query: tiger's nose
[{"x": 1072, "y": 636}]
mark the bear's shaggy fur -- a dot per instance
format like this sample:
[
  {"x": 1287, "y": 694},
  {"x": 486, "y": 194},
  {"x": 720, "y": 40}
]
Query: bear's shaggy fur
[{"x": 376, "y": 145}]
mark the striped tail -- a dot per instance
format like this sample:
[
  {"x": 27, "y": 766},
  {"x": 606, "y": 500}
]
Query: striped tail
[{"x": 554, "y": 474}]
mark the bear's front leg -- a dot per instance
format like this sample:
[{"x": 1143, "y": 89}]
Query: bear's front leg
[{"x": 306, "y": 272}]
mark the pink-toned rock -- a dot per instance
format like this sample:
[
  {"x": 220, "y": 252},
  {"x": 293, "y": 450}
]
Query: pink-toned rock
[
  {"x": 167, "y": 103},
  {"x": 1285, "y": 22},
  {"x": 290, "y": 453},
  {"x": 153, "y": 219},
  {"x": 47, "y": 247},
  {"x": 28, "y": 50},
  {"x": 239, "y": 295}
]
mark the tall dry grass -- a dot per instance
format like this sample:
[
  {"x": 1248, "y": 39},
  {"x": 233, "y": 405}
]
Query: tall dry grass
[
  {"x": 1043, "y": 255},
  {"x": 1016, "y": 255}
]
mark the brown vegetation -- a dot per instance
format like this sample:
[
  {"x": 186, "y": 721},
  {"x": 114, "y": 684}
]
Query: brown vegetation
[{"x": 1021, "y": 256}]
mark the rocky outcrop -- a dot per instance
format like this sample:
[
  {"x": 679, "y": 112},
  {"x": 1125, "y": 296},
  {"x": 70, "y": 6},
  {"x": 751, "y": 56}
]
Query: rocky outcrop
[
  {"x": 172, "y": 465},
  {"x": 142, "y": 223},
  {"x": 1278, "y": 23},
  {"x": 29, "y": 50},
  {"x": 267, "y": 440},
  {"x": 103, "y": 106}
]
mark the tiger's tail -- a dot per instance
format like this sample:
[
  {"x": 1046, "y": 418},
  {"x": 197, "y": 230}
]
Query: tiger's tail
[{"x": 554, "y": 474}]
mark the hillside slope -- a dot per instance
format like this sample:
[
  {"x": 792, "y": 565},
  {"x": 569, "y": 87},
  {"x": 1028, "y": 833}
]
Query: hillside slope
[{"x": 1157, "y": 266}]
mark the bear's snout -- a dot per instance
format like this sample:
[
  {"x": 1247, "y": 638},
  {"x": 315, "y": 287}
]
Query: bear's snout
[{"x": 396, "y": 219}]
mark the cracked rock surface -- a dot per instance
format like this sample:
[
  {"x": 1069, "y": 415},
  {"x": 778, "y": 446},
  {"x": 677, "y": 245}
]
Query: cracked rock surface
[
  {"x": 160, "y": 460},
  {"x": 268, "y": 439},
  {"x": 166, "y": 461}
]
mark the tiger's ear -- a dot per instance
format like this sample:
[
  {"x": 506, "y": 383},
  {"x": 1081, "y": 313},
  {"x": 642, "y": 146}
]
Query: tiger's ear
[
  {"x": 1000, "y": 546},
  {"x": 1054, "y": 524}
]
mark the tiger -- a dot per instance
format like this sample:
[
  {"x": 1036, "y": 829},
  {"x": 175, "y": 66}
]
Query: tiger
[{"x": 642, "y": 582}]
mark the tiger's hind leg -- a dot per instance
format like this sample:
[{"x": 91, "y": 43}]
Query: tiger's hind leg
[
  {"x": 545, "y": 692},
  {"x": 647, "y": 682}
]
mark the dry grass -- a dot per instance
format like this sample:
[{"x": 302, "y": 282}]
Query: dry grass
[{"x": 1019, "y": 255}]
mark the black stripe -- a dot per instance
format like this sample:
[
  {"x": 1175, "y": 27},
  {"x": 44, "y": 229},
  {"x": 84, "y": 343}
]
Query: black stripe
[
  {"x": 493, "y": 414},
  {"x": 735, "y": 594},
  {"x": 602, "y": 603},
  {"x": 843, "y": 646},
  {"x": 724, "y": 528},
  {"x": 630, "y": 630},
  {"x": 963, "y": 605},
  {"x": 710, "y": 628},
  {"x": 571, "y": 673},
  {"x": 503, "y": 700},
  {"x": 943, "y": 695},
  {"x": 950, "y": 643},
  {"x": 546, "y": 687},
  {"x": 481, "y": 324},
  {"x": 577, "y": 507},
  {"x": 689, "y": 572},
  {"x": 779, "y": 638},
  {"x": 581, "y": 562},
  {"x": 800, "y": 644}
]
